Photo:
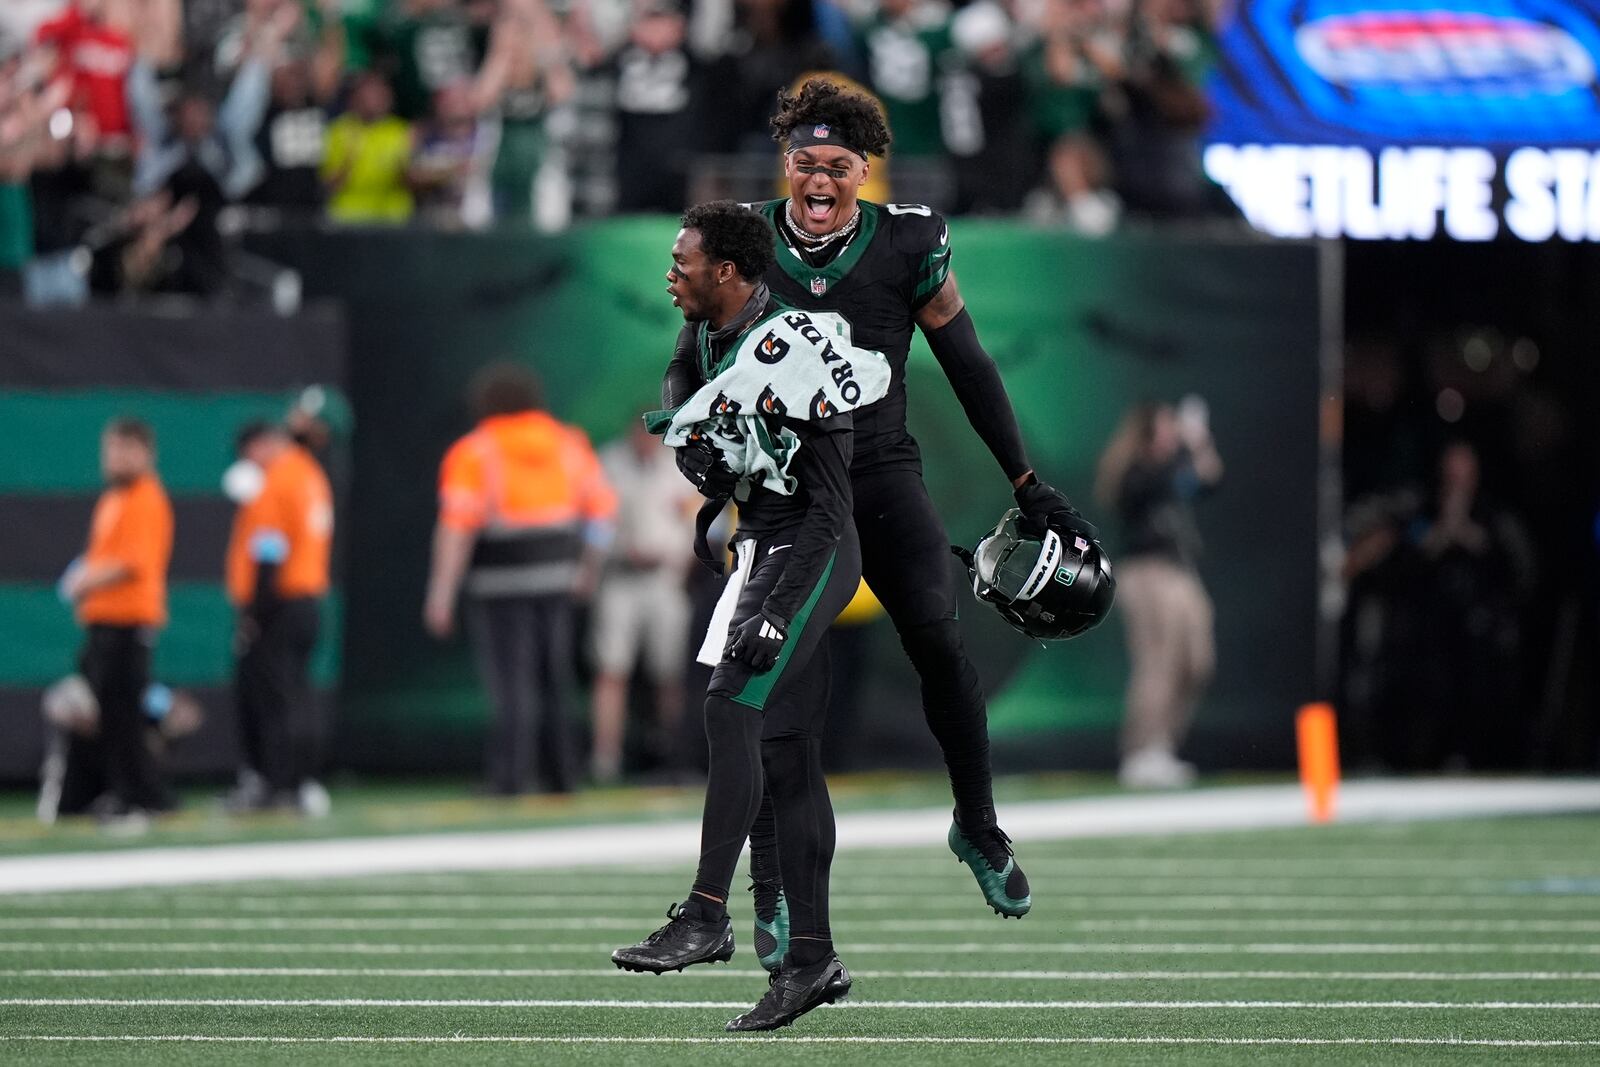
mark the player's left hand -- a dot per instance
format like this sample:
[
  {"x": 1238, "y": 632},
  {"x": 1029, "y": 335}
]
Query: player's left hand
[
  {"x": 758, "y": 640},
  {"x": 1046, "y": 507},
  {"x": 703, "y": 465}
]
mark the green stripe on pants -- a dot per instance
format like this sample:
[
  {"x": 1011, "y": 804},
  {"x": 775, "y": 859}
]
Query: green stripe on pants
[{"x": 760, "y": 686}]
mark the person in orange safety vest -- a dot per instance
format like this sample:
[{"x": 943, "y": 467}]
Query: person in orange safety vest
[
  {"x": 277, "y": 576},
  {"x": 525, "y": 515}
]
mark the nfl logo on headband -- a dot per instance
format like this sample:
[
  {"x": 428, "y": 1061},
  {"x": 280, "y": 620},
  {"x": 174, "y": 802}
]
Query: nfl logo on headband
[{"x": 820, "y": 130}]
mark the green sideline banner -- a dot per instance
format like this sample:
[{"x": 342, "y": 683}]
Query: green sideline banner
[
  {"x": 197, "y": 376},
  {"x": 1081, "y": 329}
]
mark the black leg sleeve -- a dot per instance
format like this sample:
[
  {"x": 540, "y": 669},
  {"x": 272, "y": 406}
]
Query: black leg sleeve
[
  {"x": 764, "y": 842},
  {"x": 952, "y": 702},
  {"x": 804, "y": 816},
  {"x": 733, "y": 792},
  {"x": 906, "y": 558}
]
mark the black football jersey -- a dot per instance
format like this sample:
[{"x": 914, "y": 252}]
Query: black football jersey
[{"x": 895, "y": 263}]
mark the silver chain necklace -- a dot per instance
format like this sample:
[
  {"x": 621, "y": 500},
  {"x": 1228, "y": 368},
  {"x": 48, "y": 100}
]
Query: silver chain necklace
[{"x": 816, "y": 243}]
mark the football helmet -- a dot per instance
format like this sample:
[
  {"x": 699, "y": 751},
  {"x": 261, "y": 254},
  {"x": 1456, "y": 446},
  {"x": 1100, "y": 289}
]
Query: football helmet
[{"x": 1050, "y": 588}]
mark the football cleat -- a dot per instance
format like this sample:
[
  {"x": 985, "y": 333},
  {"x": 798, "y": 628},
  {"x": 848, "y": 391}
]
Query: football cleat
[
  {"x": 792, "y": 992},
  {"x": 683, "y": 942},
  {"x": 772, "y": 923},
  {"x": 987, "y": 851}
]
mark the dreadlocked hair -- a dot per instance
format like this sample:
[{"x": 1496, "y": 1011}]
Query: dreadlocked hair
[{"x": 856, "y": 117}]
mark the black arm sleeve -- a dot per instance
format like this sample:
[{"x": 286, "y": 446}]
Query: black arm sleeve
[
  {"x": 682, "y": 379},
  {"x": 823, "y": 467},
  {"x": 976, "y": 381}
]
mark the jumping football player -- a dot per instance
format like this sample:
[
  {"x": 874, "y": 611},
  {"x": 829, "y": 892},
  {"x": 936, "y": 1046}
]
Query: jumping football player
[
  {"x": 779, "y": 387},
  {"x": 885, "y": 268}
]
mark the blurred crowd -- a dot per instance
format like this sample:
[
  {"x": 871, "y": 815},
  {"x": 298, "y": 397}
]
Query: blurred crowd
[
  {"x": 136, "y": 135},
  {"x": 1467, "y": 554}
]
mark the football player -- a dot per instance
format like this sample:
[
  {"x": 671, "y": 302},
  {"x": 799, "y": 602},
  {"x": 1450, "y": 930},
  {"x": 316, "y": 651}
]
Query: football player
[
  {"x": 886, "y": 269},
  {"x": 779, "y": 388}
]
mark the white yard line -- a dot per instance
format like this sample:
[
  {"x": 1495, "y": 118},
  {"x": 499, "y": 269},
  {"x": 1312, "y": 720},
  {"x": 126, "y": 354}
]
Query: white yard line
[
  {"x": 654, "y": 905},
  {"x": 728, "y": 972},
  {"x": 1114, "y": 816},
  {"x": 768, "y": 1041},
  {"x": 854, "y": 1004},
  {"x": 849, "y": 898},
  {"x": 609, "y": 922},
  {"x": 962, "y": 948},
  {"x": 888, "y": 869}
]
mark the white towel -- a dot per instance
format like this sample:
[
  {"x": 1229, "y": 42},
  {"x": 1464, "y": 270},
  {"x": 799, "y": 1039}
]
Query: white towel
[
  {"x": 796, "y": 363},
  {"x": 716, "y": 642}
]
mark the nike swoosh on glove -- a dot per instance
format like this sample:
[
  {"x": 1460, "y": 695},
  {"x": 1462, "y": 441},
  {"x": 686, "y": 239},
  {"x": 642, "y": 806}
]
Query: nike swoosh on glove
[
  {"x": 1044, "y": 506},
  {"x": 703, "y": 465},
  {"x": 758, "y": 640}
]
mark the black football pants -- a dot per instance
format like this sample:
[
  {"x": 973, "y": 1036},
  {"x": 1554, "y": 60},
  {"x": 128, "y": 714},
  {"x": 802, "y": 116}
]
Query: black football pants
[
  {"x": 116, "y": 663},
  {"x": 524, "y": 650},
  {"x": 905, "y": 558},
  {"x": 765, "y": 732},
  {"x": 278, "y": 721}
]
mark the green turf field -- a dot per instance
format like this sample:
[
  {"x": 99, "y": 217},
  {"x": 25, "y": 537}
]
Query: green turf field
[{"x": 1448, "y": 942}]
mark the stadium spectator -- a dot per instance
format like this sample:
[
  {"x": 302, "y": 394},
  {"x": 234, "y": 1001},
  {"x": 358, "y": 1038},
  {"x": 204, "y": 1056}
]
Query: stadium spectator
[
  {"x": 658, "y": 91},
  {"x": 1478, "y": 571},
  {"x": 291, "y": 142},
  {"x": 772, "y": 44},
  {"x": 92, "y": 49},
  {"x": 426, "y": 45},
  {"x": 118, "y": 590},
  {"x": 1156, "y": 464},
  {"x": 906, "y": 44},
  {"x": 135, "y": 252},
  {"x": 202, "y": 154},
  {"x": 1078, "y": 54},
  {"x": 369, "y": 155},
  {"x": 277, "y": 576},
  {"x": 449, "y": 163},
  {"x": 525, "y": 75},
  {"x": 1156, "y": 145},
  {"x": 985, "y": 114},
  {"x": 524, "y": 517},
  {"x": 26, "y": 107},
  {"x": 643, "y": 604}
]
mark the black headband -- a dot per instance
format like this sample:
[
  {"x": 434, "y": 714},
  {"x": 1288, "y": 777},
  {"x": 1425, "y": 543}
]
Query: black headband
[{"x": 820, "y": 133}]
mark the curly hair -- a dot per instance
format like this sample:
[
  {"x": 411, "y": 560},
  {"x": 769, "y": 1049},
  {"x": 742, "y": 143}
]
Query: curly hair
[
  {"x": 731, "y": 232},
  {"x": 856, "y": 116}
]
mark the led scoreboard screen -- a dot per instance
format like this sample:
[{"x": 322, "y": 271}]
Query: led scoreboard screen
[{"x": 1410, "y": 119}]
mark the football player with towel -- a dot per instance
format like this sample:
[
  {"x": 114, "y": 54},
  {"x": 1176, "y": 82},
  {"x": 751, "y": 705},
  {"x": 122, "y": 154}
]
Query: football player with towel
[{"x": 771, "y": 427}]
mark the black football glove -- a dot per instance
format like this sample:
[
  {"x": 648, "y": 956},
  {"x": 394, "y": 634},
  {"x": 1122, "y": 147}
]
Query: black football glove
[
  {"x": 757, "y": 641},
  {"x": 1044, "y": 506},
  {"x": 701, "y": 463}
]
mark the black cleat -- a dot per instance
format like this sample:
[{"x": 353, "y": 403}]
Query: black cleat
[
  {"x": 683, "y": 942},
  {"x": 792, "y": 992}
]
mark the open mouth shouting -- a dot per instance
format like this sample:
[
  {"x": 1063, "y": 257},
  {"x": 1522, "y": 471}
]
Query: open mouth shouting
[{"x": 819, "y": 208}]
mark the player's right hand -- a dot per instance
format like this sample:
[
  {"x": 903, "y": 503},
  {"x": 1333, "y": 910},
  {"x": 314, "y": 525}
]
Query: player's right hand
[
  {"x": 701, "y": 463},
  {"x": 1044, "y": 507}
]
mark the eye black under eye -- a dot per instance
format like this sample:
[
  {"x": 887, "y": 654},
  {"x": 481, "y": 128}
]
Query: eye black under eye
[{"x": 832, "y": 172}]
